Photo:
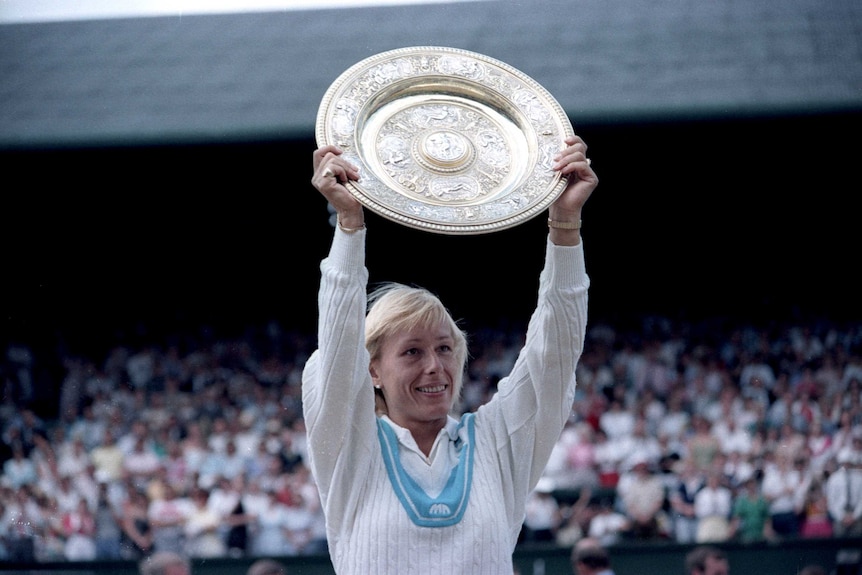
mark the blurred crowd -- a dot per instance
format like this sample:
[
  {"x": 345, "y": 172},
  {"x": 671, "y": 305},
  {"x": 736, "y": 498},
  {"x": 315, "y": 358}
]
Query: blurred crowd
[{"x": 686, "y": 432}]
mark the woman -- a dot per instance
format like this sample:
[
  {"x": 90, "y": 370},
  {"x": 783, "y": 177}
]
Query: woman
[{"x": 405, "y": 486}]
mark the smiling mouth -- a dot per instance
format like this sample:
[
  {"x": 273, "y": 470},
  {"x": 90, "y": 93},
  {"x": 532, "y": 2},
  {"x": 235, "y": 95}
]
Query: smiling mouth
[{"x": 432, "y": 389}]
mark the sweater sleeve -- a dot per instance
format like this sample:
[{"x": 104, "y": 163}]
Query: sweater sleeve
[
  {"x": 337, "y": 393},
  {"x": 530, "y": 409}
]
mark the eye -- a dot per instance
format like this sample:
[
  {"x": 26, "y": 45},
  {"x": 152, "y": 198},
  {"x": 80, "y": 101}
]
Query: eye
[{"x": 445, "y": 349}]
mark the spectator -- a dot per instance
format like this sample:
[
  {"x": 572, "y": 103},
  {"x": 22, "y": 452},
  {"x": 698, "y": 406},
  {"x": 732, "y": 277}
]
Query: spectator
[
  {"x": 706, "y": 560},
  {"x": 136, "y": 539},
  {"x": 542, "y": 514},
  {"x": 813, "y": 569},
  {"x": 732, "y": 436},
  {"x": 675, "y": 422},
  {"x": 269, "y": 532},
  {"x": 19, "y": 470},
  {"x": 607, "y": 459},
  {"x": 590, "y": 557},
  {"x": 165, "y": 563},
  {"x": 107, "y": 457},
  {"x": 681, "y": 499},
  {"x": 819, "y": 444},
  {"x": 617, "y": 422},
  {"x": 642, "y": 495},
  {"x": 781, "y": 485},
  {"x": 202, "y": 528},
  {"x": 702, "y": 445},
  {"x": 79, "y": 532},
  {"x": 639, "y": 444},
  {"x": 851, "y": 452},
  {"x": 177, "y": 470},
  {"x": 749, "y": 517},
  {"x": 712, "y": 507},
  {"x": 225, "y": 500},
  {"x": 168, "y": 514},
  {"x": 141, "y": 462},
  {"x": 608, "y": 526},
  {"x": 108, "y": 533},
  {"x": 266, "y": 567},
  {"x": 816, "y": 521},
  {"x": 844, "y": 498}
]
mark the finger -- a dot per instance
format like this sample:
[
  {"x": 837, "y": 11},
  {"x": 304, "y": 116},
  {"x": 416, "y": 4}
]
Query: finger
[
  {"x": 323, "y": 153},
  {"x": 568, "y": 163}
]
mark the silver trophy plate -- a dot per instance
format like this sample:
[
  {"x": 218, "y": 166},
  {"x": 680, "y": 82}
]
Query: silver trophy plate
[{"x": 446, "y": 140}]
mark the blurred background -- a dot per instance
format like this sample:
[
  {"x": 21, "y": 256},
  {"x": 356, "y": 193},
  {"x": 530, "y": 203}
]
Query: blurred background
[{"x": 156, "y": 165}]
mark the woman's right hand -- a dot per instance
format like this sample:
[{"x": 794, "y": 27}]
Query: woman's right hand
[{"x": 331, "y": 170}]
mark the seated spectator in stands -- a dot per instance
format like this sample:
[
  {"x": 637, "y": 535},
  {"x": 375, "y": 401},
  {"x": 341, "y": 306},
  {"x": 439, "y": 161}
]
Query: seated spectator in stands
[
  {"x": 108, "y": 533},
  {"x": 639, "y": 444},
  {"x": 712, "y": 507},
  {"x": 107, "y": 457},
  {"x": 305, "y": 486},
  {"x": 269, "y": 533},
  {"x": 851, "y": 452},
  {"x": 733, "y": 437},
  {"x": 167, "y": 515},
  {"x": 572, "y": 464},
  {"x": 844, "y": 497},
  {"x": 781, "y": 486},
  {"x": 791, "y": 442},
  {"x": 177, "y": 470},
  {"x": 65, "y": 494},
  {"x": 141, "y": 462},
  {"x": 608, "y": 526},
  {"x": 819, "y": 445},
  {"x": 19, "y": 470},
  {"x": 607, "y": 459},
  {"x": 202, "y": 528},
  {"x": 194, "y": 446},
  {"x": 816, "y": 521},
  {"x": 778, "y": 413},
  {"x": 617, "y": 421},
  {"x": 681, "y": 498},
  {"x": 79, "y": 533},
  {"x": 737, "y": 468},
  {"x": 677, "y": 418},
  {"x": 749, "y": 518},
  {"x": 542, "y": 514},
  {"x": 702, "y": 445},
  {"x": 136, "y": 540},
  {"x": 642, "y": 497}
]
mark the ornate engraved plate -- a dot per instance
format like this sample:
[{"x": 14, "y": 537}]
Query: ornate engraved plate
[{"x": 447, "y": 140}]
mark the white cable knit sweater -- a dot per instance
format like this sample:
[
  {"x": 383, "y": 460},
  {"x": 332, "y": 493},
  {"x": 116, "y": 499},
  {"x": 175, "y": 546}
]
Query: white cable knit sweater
[{"x": 368, "y": 529}]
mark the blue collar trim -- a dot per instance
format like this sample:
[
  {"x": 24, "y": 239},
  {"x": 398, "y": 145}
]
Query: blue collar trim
[{"x": 447, "y": 508}]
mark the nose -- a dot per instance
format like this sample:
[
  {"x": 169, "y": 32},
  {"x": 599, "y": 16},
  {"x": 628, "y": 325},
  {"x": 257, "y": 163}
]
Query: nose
[{"x": 434, "y": 363}]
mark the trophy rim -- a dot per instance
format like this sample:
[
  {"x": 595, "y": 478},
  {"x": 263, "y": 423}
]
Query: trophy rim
[{"x": 403, "y": 103}]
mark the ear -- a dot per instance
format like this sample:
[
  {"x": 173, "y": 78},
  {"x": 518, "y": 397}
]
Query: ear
[{"x": 372, "y": 369}]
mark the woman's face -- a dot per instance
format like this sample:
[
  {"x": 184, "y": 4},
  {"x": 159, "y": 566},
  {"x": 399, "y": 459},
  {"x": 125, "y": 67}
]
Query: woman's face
[{"x": 416, "y": 371}]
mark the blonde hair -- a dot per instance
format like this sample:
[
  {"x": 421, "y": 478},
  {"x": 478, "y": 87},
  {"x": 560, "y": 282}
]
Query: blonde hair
[{"x": 394, "y": 308}]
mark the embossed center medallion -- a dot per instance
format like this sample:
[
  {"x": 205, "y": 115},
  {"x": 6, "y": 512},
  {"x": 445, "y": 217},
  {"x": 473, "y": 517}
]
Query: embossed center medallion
[{"x": 444, "y": 150}]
